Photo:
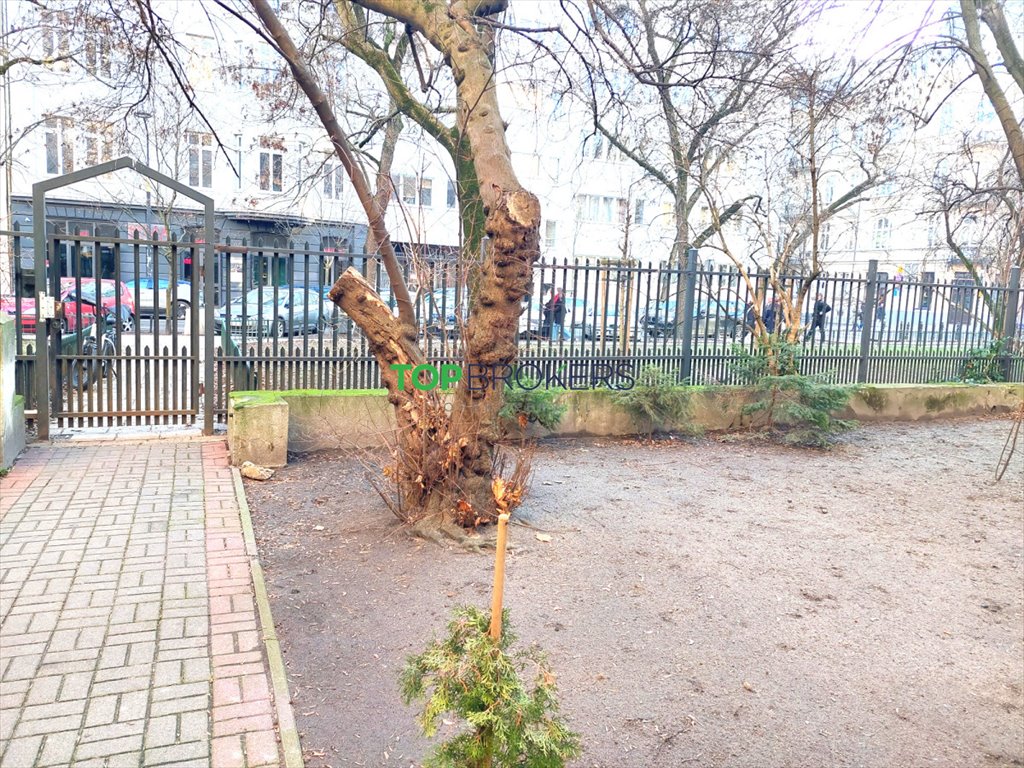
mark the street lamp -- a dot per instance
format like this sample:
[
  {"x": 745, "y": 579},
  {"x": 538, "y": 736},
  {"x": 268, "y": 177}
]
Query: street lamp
[{"x": 145, "y": 116}]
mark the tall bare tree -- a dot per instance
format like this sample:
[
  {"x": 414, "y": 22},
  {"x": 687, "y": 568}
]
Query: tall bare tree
[
  {"x": 677, "y": 85},
  {"x": 444, "y": 462}
]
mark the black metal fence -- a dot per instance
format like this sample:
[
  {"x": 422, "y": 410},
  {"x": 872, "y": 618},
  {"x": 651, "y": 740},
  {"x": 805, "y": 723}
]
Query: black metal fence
[{"x": 276, "y": 329}]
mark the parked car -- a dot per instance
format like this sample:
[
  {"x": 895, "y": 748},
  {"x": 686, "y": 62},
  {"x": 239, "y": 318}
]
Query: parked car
[
  {"x": 75, "y": 304},
  {"x": 296, "y": 309},
  {"x": 9, "y": 304},
  {"x": 153, "y": 302},
  {"x": 453, "y": 305},
  {"x": 83, "y": 301},
  {"x": 710, "y": 318}
]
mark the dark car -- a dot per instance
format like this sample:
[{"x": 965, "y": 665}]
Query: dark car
[
  {"x": 153, "y": 301},
  {"x": 710, "y": 318},
  {"x": 256, "y": 313}
]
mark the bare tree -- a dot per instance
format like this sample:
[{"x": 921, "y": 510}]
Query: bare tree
[
  {"x": 831, "y": 150},
  {"x": 444, "y": 462},
  {"x": 677, "y": 86}
]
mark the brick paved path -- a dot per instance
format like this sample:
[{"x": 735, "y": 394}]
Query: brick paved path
[{"x": 128, "y": 634}]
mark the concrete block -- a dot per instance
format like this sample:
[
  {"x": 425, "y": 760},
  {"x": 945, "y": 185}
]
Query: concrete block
[
  {"x": 12, "y": 407},
  {"x": 258, "y": 429}
]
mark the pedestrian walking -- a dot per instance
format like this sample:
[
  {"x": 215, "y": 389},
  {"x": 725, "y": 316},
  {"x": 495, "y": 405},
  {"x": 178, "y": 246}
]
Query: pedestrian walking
[{"x": 821, "y": 308}]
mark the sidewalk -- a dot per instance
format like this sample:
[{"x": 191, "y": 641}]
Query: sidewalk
[{"x": 128, "y": 629}]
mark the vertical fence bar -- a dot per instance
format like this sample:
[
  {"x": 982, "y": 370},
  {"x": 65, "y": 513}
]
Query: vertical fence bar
[
  {"x": 689, "y": 291},
  {"x": 208, "y": 346},
  {"x": 1010, "y": 304},
  {"x": 867, "y": 319}
]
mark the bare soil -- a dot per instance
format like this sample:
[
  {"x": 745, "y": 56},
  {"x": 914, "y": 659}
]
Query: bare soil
[{"x": 703, "y": 603}]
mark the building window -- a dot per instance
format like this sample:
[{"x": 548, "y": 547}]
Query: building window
[
  {"x": 595, "y": 146},
  {"x": 927, "y": 287},
  {"x": 271, "y": 165},
  {"x": 886, "y": 189},
  {"x": 334, "y": 181},
  {"x": 638, "y": 212},
  {"x": 60, "y": 146},
  {"x": 200, "y": 159},
  {"x": 452, "y": 197},
  {"x": 824, "y": 236},
  {"x": 934, "y": 237},
  {"x": 601, "y": 210},
  {"x": 883, "y": 233},
  {"x": 413, "y": 190},
  {"x": 550, "y": 234},
  {"x": 56, "y": 37},
  {"x": 97, "y": 54},
  {"x": 829, "y": 192},
  {"x": 98, "y": 144}
]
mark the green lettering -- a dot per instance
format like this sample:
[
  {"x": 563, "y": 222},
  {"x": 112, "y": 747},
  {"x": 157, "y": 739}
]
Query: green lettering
[
  {"x": 401, "y": 369},
  {"x": 450, "y": 374},
  {"x": 431, "y": 376}
]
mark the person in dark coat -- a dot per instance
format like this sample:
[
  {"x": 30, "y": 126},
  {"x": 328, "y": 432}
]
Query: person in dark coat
[
  {"x": 818, "y": 318},
  {"x": 556, "y": 306},
  {"x": 749, "y": 320},
  {"x": 772, "y": 316}
]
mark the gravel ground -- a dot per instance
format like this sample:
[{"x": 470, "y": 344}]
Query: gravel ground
[{"x": 703, "y": 603}]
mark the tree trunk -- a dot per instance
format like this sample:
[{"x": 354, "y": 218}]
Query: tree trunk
[{"x": 443, "y": 463}]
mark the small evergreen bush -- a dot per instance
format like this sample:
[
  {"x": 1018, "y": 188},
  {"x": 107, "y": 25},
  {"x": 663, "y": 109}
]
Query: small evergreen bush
[
  {"x": 475, "y": 679},
  {"x": 793, "y": 407},
  {"x": 985, "y": 365},
  {"x": 658, "y": 400},
  {"x": 799, "y": 409},
  {"x": 531, "y": 405}
]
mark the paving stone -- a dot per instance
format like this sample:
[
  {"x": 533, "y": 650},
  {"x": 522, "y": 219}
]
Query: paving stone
[
  {"x": 108, "y": 747},
  {"x": 124, "y": 587},
  {"x": 22, "y": 751},
  {"x": 58, "y": 748}
]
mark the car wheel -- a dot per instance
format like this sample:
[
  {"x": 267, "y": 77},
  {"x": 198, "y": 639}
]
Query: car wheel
[
  {"x": 180, "y": 310},
  {"x": 282, "y": 328},
  {"x": 128, "y": 324}
]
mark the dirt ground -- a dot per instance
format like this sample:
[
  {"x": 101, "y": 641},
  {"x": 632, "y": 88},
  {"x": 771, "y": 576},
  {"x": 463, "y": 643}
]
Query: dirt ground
[{"x": 703, "y": 603}]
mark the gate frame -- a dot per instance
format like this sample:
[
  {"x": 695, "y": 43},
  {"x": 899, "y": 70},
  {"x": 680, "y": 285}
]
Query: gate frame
[{"x": 43, "y": 368}]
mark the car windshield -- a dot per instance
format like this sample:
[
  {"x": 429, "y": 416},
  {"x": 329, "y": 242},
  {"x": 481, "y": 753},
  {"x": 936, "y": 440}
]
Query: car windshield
[
  {"x": 266, "y": 294},
  {"x": 88, "y": 292}
]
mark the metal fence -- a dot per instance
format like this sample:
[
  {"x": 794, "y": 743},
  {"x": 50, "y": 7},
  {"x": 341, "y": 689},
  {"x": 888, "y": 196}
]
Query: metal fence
[{"x": 274, "y": 327}]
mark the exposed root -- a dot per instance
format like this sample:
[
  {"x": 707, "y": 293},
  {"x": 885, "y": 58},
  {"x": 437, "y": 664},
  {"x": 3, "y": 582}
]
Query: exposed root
[{"x": 444, "y": 532}]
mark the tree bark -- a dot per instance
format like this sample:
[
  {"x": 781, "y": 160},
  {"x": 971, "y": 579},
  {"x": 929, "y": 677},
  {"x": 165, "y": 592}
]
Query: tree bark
[
  {"x": 443, "y": 463},
  {"x": 976, "y": 50}
]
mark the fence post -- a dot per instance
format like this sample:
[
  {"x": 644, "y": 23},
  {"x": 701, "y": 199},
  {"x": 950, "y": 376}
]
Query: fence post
[
  {"x": 1010, "y": 319},
  {"x": 867, "y": 315},
  {"x": 689, "y": 290}
]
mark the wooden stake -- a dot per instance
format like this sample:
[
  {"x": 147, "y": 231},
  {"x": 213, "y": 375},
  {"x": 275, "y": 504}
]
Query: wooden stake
[{"x": 499, "y": 577}]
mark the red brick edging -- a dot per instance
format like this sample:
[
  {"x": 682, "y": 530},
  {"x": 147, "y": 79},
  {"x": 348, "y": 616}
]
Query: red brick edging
[{"x": 242, "y": 717}]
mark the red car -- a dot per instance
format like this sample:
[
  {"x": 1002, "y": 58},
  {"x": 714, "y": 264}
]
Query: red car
[{"x": 71, "y": 302}]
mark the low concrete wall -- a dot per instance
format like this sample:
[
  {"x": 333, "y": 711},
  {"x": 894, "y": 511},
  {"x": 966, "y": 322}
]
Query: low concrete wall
[
  {"x": 322, "y": 420},
  {"x": 12, "y": 407},
  {"x": 258, "y": 429},
  {"x": 923, "y": 402}
]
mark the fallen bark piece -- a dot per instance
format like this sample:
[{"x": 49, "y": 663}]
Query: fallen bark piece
[{"x": 255, "y": 471}]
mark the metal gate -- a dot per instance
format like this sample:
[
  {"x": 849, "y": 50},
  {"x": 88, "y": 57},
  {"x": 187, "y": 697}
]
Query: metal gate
[{"x": 97, "y": 360}]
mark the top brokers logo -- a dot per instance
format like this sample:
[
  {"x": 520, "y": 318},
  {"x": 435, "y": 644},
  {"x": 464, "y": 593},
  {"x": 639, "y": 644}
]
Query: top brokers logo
[{"x": 577, "y": 374}]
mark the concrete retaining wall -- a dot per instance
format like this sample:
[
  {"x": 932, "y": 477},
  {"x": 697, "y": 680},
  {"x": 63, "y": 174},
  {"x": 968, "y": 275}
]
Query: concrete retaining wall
[
  {"x": 263, "y": 426},
  {"x": 12, "y": 407}
]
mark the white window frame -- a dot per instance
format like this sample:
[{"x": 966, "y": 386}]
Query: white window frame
[
  {"x": 200, "y": 159},
  {"x": 59, "y": 142},
  {"x": 270, "y": 176},
  {"x": 882, "y": 234}
]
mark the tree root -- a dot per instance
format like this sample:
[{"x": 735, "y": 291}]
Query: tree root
[{"x": 444, "y": 532}]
